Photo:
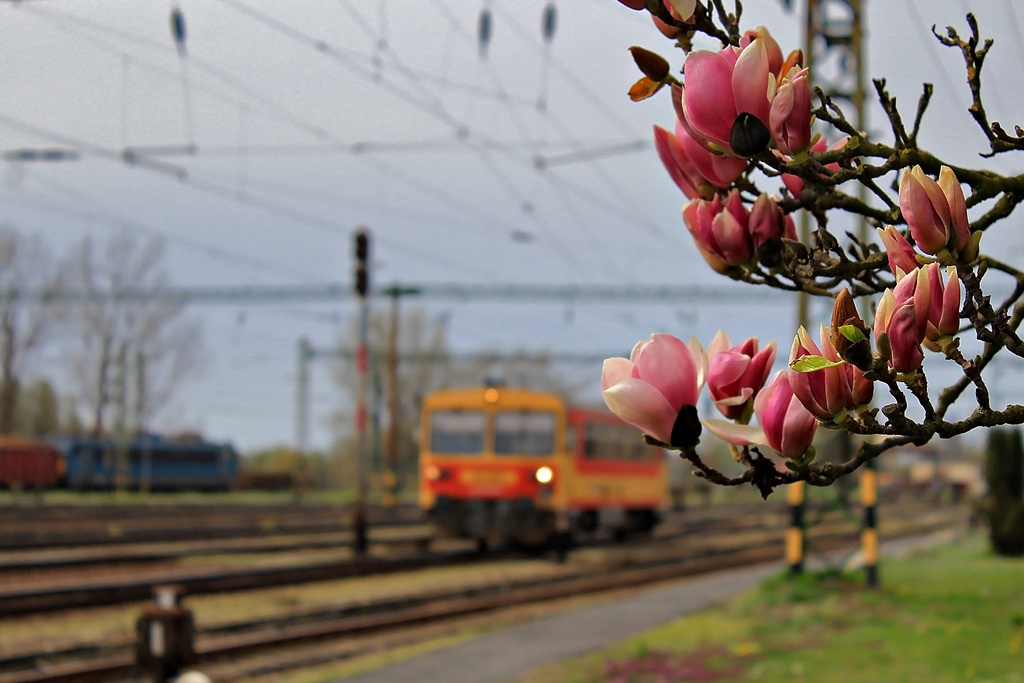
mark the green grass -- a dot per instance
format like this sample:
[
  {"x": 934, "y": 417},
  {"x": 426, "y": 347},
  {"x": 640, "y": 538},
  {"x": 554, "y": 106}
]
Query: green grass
[{"x": 952, "y": 614}]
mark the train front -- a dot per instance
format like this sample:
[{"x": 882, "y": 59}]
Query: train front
[{"x": 490, "y": 462}]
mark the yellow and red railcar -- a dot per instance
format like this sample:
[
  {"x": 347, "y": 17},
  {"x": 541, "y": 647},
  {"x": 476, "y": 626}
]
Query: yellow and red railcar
[{"x": 500, "y": 464}]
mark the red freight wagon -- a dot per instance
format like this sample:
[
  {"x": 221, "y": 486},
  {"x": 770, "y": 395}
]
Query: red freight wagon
[{"x": 29, "y": 464}]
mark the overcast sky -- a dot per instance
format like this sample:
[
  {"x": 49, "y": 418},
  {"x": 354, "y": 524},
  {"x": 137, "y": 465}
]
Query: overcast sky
[{"x": 313, "y": 118}]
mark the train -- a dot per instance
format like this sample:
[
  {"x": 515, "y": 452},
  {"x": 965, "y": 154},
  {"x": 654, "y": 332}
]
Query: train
[
  {"x": 102, "y": 463},
  {"x": 29, "y": 464},
  {"x": 513, "y": 466}
]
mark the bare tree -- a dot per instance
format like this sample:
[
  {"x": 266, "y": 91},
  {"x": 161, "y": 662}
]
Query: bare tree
[
  {"x": 25, "y": 268},
  {"x": 132, "y": 342}
]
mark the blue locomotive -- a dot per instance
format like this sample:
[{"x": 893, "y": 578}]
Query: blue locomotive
[{"x": 148, "y": 461}]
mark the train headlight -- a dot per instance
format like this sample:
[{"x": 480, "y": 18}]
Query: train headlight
[
  {"x": 431, "y": 472},
  {"x": 544, "y": 474}
]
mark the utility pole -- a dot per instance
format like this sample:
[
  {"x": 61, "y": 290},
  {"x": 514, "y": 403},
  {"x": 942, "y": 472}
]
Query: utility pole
[
  {"x": 302, "y": 398},
  {"x": 362, "y": 287},
  {"x": 146, "y": 472},
  {"x": 834, "y": 54},
  {"x": 394, "y": 398},
  {"x": 121, "y": 425},
  {"x": 394, "y": 407}
]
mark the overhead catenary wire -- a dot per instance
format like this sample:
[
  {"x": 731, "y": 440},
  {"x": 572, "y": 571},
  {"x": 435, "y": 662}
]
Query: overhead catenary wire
[
  {"x": 106, "y": 214},
  {"x": 224, "y": 190},
  {"x": 483, "y": 155},
  {"x": 439, "y": 112},
  {"x": 278, "y": 209},
  {"x": 461, "y": 292},
  {"x": 631, "y": 206}
]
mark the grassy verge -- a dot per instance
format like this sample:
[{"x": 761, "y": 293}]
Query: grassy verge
[{"x": 955, "y": 613}]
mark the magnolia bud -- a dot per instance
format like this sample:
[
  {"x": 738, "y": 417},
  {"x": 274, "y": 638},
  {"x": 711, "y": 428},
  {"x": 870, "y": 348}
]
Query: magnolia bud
[
  {"x": 849, "y": 334},
  {"x": 653, "y": 65}
]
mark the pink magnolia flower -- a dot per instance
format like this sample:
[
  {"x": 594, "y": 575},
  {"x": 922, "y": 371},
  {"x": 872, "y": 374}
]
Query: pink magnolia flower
[
  {"x": 902, "y": 257},
  {"x": 679, "y": 166},
  {"x": 692, "y": 166},
  {"x": 790, "y": 117},
  {"x": 768, "y": 223},
  {"x": 935, "y": 211},
  {"x": 720, "y": 230},
  {"x": 784, "y": 423},
  {"x": 653, "y": 387},
  {"x": 831, "y": 391},
  {"x": 954, "y": 193},
  {"x": 943, "y": 306},
  {"x": 737, "y": 373},
  {"x": 788, "y": 426},
  {"x": 720, "y": 86},
  {"x": 901, "y": 320}
]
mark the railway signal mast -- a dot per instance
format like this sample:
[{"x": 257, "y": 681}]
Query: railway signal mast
[{"x": 362, "y": 288}]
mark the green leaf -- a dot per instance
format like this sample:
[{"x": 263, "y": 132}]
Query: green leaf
[
  {"x": 814, "y": 363},
  {"x": 852, "y": 332}
]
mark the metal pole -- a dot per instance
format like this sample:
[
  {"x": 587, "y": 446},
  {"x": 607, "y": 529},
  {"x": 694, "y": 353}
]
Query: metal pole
[
  {"x": 821, "y": 31},
  {"x": 121, "y": 425},
  {"x": 146, "y": 473},
  {"x": 796, "y": 535},
  {"x": 394, "y": 406},
  {"x": 302, "y": 398},
  {"x": 869, "y": 536},
  {"x": 362, "y": 286}
]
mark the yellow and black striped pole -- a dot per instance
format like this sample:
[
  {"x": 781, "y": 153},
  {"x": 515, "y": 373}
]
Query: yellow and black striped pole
[
  {"x": 869, "y": 536},
  {"x": 796, "y": 535}
]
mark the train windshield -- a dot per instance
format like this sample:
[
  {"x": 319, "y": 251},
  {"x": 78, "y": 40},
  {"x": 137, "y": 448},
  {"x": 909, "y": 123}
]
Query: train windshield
[
  {"x": 457, "y": 432},
  {"x": 524, "y": 433}
]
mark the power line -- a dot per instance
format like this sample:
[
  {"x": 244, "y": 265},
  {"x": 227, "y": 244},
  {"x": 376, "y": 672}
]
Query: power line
[{"x": 576, "y": 294}]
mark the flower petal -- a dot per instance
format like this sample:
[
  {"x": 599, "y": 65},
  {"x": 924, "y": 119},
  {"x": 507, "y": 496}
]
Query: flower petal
[
  {"x": 615, "y": 370},
  {"x": 667, "y": 364},
  {"x": 736, "y": 434},
  {"x": 643, "y": 406}
]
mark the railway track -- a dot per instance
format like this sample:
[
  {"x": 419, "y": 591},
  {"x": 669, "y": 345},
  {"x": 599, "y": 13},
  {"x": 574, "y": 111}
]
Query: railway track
[
  {"x": 406, "y": 532},
  {"x": 25, "y": 528},
  {"x": 65, "y": 559},
  {"x": 53, "y": 579},
  {"x": 226, "y": 647}
]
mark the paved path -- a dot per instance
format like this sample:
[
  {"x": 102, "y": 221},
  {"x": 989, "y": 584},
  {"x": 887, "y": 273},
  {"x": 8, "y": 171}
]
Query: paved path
[{"x": 511, "y": 653}]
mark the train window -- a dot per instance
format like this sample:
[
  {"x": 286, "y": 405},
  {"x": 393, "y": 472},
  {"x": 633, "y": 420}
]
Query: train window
[
  {"x": 524, "y": 433},
  {"x": 605, "y": 441},
  {"x": 457, "y": 431}
]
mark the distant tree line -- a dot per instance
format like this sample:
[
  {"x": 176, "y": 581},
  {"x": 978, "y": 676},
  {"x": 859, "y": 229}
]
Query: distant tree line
[{"x": 121, "y": 358}]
